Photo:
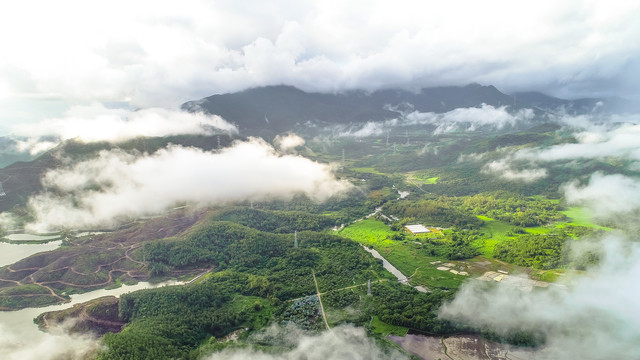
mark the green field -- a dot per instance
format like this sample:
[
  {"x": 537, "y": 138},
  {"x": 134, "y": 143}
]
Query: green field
[
  {"x": 381, "y": 328},
  {"x": 423, "y": 177},
  {"x": 495, "y": 232},
  {"x": 537, "y": 230},
  {"x": 369, "y": 232},
  {"x": 406, "y": 256},
  {"x": 581, "y": 216}
]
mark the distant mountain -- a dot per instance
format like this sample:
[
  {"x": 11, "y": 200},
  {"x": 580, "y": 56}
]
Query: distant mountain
[
  {"x": 267, "y": 111},
  {"x": 548, "y": 103},
  {"x": 270, "y": 110}
]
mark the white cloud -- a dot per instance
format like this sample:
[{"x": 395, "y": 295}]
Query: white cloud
[
  {"x": 595, "y": 317},
  {"x": 288, "y": 142},
  {"x": 597, "y": 138},
  {"x": 622, "y": 142},
  {"x": 370, "y": 128},
  {"x": 102, "y": 191},
  {"x": 485, "y": 117},
  {"x": 504, "y": 169},
  {"x": 470, "y": 119},
  {"x": 46, "y": 346},
  {"x": 160, "y": 55},
  {"x": 97, "y": 123},
  {"x": 605, "y": 195}
]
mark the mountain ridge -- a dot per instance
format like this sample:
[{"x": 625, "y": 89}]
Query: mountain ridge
[{"x": 267, "y": 111}]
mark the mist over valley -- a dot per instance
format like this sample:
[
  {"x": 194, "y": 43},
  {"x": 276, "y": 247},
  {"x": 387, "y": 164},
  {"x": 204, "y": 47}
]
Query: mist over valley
[{"x": 307, "y": 180}]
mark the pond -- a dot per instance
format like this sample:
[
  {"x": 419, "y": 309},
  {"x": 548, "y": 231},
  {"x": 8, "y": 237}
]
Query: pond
[
  {"x": 31, "y": 237},
  {"x": 11, "y": 253}
]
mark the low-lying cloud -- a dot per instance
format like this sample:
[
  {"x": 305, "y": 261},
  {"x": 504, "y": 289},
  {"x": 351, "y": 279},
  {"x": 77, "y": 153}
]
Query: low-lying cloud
[
  {"x": 596, "y": 138},
  {"x": 343, "y": 342},
  {"x": 98, "y": 123},
  {"x": 605, "y": 195},
  {"x": 288, "y": 142},
  {"x": 506, "y": 170},
  {"x": 622, "y": 142},
  {"x": 116, "y": 185},
  {"x": 485, "y": 117},
  {"x": 594, "y": 317},
  {"x": 56, "y": 344},
  {"x": 470, "y": 119}
]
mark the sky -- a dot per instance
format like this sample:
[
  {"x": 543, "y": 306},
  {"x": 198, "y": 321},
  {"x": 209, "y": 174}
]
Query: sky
[{"x": 144, "y": 54}]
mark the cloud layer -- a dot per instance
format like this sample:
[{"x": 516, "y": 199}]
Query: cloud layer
[
  {"x": 165, "y": 54},
  {"x": 606, "y": 195},
  {"x": 115, "y": 185},
  {"x": 46, "y": 346},
  {"x": 611, "y": 138},
  {"x": 595, "y": 317},
  {"x": 97, "y": 123},
  {"x": 485, "y": 117}
]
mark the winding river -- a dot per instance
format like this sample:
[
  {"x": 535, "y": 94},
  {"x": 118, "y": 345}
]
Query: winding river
[{"x": 21, "y": 339}]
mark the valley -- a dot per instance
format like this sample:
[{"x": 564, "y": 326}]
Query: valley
[{"x": 486, "y": 214}]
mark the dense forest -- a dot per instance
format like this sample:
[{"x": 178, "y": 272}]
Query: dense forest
[{"x": 256, "y": 276}]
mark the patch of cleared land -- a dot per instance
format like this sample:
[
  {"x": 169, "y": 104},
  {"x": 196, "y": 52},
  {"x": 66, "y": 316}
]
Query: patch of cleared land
[
  {"x": 521, "y": 282},
  {"x": 461, "y": 347}
]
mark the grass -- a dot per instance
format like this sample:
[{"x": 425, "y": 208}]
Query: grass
[
  {"x": 368, "y": 170},
  {"x": 423, "y": 177},
  {"x": 496, "y": 231},
  {"x": 431, "y": 180},
  {"x": 369, "y": 232},
  {"x": 383, "y": 329},
  {"x": 581, "y": 216},
  {"x": 260, "y": 310},
  {"x": 537, "y": 230},
  {"x": 551, "y": 275},
  {"x": 406, "y": 256}
]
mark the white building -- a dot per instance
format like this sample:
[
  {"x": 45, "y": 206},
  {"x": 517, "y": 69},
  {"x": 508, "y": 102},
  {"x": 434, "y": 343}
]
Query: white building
[{"x": 417, "y": 229}]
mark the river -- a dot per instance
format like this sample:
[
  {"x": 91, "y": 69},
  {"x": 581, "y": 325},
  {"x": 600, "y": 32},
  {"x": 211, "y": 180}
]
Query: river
[
  {"x": 20, "y": 337},
  {"x": 392, "y": 269},
  {"x": 11, "y": 253}
]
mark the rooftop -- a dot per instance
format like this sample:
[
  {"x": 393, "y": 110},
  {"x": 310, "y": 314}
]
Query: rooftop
[{"x": 417, "y": 229}]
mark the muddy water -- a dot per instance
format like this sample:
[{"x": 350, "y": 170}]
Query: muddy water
[
  {"x": 21, "y": 339},
  {"x": 461, "y": 347}
]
